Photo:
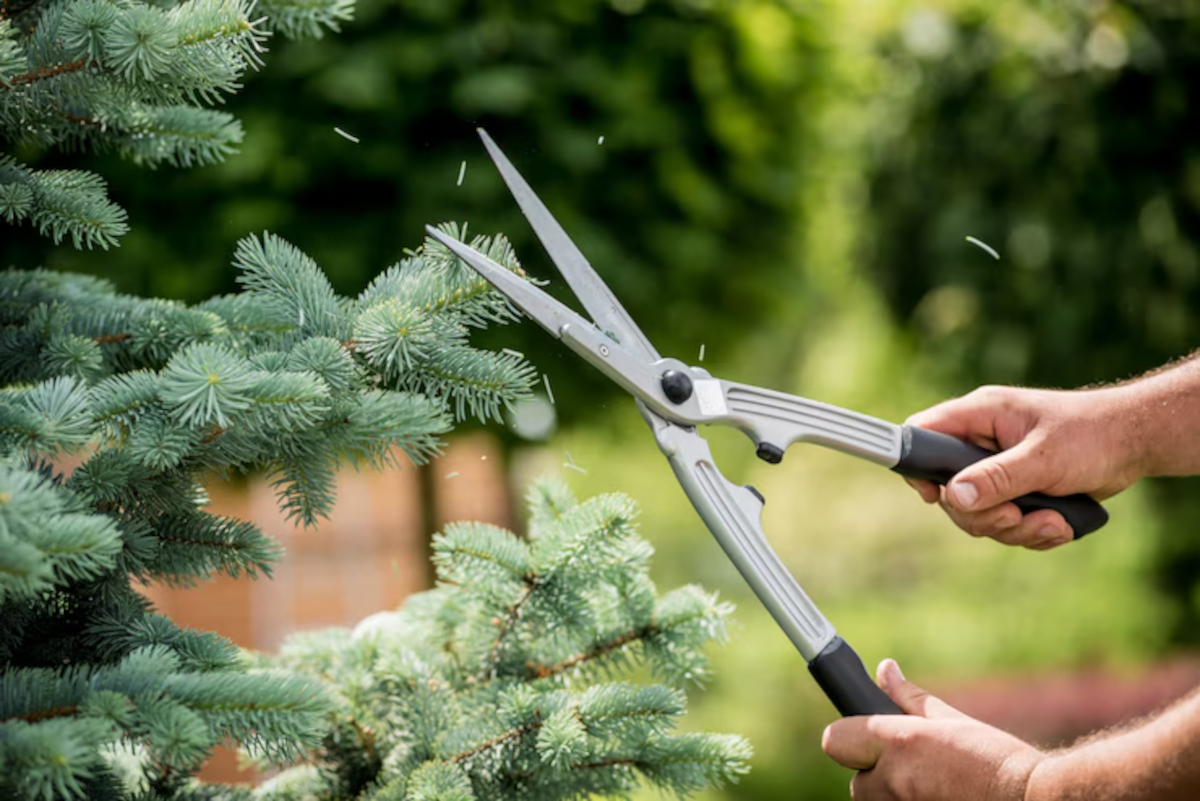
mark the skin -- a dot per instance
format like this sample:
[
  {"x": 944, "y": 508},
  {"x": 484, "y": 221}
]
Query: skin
[
  {"x": 936, "y": 753},
  {"x": 1094, "y": 441}
]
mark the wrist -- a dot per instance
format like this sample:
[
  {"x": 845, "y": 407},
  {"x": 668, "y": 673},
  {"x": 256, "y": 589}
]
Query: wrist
[
  {"x": 1015, "y": 774},
  {"x": 1160, "y": 414},
  {"x": 1040, "y": 783},
  {"x": 1128, "y": 418}
]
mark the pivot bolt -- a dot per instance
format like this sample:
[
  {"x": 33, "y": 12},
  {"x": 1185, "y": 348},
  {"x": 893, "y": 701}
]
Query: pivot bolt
[
  {"x": 769, "y": 453},
  {"x": 676, "y": 386}
]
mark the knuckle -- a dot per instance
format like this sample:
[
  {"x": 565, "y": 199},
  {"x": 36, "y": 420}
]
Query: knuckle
[
  {"x": 991, "y": 394},
  {"x": 996, "y": 476},
  {"x": 905, "y": 784},
  {"x": 904, "y": 740}
]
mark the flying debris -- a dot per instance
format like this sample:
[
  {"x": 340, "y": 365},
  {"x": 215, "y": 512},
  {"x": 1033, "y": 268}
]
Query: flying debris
[
  {"x": 549, "y": 392},
  {"x": 345, "y": 135},
  {"x": 702, "y": 351},
  {"x": 570, "y": 463},
  {"x": 985, "y": 246},
  {"x": 600, "y": 141},
  {"x": 462, "y": 172}
]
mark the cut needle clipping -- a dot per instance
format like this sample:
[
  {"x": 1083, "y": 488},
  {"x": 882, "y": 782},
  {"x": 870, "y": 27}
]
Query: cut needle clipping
[
  {"x": 345, "y": 135},
  {"x": 462, "y": 173},
  {"x": 549, "y": 392},
  {"x": 571, "y": 464},
  {"x": 985, "y": 246}
]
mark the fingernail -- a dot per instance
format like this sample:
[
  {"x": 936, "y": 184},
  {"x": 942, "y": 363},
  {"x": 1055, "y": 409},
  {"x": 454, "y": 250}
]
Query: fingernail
[
  {"x": 1048, "y": 533},
  {"x": 965, "y": 494},
  {"x": 892, "y": 675}
]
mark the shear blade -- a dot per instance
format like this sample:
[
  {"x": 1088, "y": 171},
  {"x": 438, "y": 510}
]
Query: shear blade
[
  {"x": 536, "y": 304},
  {"x": 610, "y": 316}
]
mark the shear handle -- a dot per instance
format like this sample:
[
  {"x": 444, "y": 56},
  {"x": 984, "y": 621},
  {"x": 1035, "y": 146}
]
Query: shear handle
[
  {"x": 841, "y": 675},
  {"x": 937, "y": 457}
]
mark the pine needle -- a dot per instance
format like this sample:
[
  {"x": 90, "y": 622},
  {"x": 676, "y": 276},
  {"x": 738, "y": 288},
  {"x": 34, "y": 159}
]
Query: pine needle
[
  {"x": 570, "y": 463},
  {"x": 452, "y": 475},
  {"x": 985, "y": 246},
  {"x": 512, "y": 352},
  {"x": 462, "y": 172},
  {"x": 345, "y": 135},
  {"x": 549, "y": 392},
  {"x": 702, "y": 352}
]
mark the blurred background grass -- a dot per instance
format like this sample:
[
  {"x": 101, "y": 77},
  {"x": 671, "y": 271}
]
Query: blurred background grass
[{"x": 788, "y": 185}]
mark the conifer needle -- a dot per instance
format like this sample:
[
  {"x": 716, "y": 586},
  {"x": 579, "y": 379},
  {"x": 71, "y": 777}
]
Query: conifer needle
[{"x": 985, "y": 246}]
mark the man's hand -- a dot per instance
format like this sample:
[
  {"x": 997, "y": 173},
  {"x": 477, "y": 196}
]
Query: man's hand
[
  {"x": 1056, "y": 442},
  {"x": 933, "y": 753}
]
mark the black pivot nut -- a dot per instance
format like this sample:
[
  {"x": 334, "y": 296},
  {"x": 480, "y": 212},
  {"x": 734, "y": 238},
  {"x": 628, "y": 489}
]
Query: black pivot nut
[
  {"x": 676, "y": 386},
  {"x": 769, "y": 453}
]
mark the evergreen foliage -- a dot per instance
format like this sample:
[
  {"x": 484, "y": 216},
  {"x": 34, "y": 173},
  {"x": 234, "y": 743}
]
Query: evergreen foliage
[
  {"x": 99, "y": 696},
  {"x": 705, "y": 109},
  {"x": 131, "y": 77},
  {"x": 501, "y": 682}
]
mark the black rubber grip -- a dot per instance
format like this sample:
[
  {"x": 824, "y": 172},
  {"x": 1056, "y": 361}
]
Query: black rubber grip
[
  {"x": 846, "y": 682},
  {"x": 937, "y": 457}
]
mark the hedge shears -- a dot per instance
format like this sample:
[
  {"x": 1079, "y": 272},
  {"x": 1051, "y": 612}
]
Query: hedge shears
[{"x": 675, "y": 398}]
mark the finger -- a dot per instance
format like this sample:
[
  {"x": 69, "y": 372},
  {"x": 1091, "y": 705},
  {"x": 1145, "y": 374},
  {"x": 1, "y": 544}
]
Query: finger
[
  {"x": 971, "y": 417},
  {"x": 851, "y": 743},
  {"x": 986, "y": 523},
  {"x": 908, "y": 696},
  {"x": 929, "y": 492},
  {"x": 1040, "y": 528},
  {"x": 1007, "y": 475},
  {"x": 867, "y": 785}
]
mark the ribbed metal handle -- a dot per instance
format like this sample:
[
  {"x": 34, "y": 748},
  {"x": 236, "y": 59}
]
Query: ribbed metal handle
[{"x": 734, "y": 516}]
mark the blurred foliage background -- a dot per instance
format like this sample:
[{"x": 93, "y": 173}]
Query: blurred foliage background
[{"x": 787, "y": 184}]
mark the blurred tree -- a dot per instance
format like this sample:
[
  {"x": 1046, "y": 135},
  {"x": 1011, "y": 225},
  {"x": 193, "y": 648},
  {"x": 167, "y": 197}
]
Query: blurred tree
[
  {"x": 666, "y": 134},
  {"x": 1061, "y": 133}
]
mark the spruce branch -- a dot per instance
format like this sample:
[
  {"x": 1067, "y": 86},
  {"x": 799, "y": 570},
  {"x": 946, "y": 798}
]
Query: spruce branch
[
  {"x": 158, "y": 396},
  {"x": 297, "y": 18},
  {"x": 131, "y": 78},
  {"x": 458, "y": 700},
  {"x": 61, "y": 203}
]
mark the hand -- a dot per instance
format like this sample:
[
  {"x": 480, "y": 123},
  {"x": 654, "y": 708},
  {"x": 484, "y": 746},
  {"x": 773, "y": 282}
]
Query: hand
[
  {"x": 934, "y": 753},
  {"x": 1051, "y": 441}
]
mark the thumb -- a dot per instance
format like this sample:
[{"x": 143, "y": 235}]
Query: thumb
[
  {"x": 1007, "y": 475},
  {"x": 908, "y": 696}
]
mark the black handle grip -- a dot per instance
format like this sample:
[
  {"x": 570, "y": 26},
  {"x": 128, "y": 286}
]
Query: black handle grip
[
  {"x": 936, "y": 457},
  {"x": 842, "y": 676}
]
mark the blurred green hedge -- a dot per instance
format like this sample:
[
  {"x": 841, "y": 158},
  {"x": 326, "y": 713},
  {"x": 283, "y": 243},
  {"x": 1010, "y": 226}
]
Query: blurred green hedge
[{"x": 1064, "y": 134}]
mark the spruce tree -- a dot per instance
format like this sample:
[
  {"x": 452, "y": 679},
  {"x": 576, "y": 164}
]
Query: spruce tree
[
  {"x": 99, "y": 696},
  {"x": 131, "y": 77},
  {"x": 498, "y": 684},
  {"x": 115, "y": 411}
]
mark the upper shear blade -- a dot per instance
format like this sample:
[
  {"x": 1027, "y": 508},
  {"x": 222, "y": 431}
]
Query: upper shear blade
[
  {"x": 593, "y": 293},
  {"x": 540, "y": 307}
]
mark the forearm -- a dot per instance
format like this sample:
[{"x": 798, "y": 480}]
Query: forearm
[
  {"x": 1163, "y": 419},
  {"x": 1159, "y": 760}
]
